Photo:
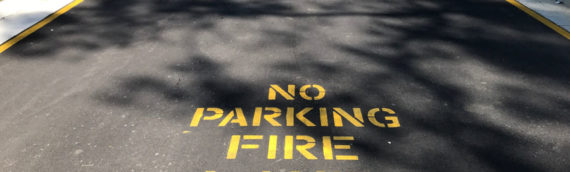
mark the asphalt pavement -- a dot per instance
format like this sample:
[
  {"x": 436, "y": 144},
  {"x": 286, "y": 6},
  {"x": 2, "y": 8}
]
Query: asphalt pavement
[{"x": 287, "y": 85}]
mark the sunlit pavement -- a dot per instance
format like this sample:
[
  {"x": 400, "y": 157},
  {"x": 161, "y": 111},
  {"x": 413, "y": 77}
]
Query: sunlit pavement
[
  {"x": 417, "y": 86},
  {"x": 557, "y": 11},
  {"x": 17, "y": 15}
]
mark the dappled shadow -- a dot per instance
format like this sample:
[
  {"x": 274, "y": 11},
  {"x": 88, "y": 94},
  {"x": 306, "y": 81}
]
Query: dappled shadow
[
  {"x": 467, "y": 85},
  {"x": 477, "y": 85}
]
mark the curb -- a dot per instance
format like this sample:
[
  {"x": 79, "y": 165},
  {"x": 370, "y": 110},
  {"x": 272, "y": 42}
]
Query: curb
[
  {"x": 541, "y": 18},
  {"x": 38, "y": 25}
]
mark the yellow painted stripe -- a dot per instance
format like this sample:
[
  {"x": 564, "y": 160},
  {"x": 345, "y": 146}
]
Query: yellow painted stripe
[
  {"x": 38, "y": 25},
  {"x": 347, "y": 157},
  {"x": 343, "y": 138},
  {"x": 341, "y": 146},
  {"x": 253, "y": 137},
  {"x": 249, "y": 146},
  {"x": 540, "y": 18}
]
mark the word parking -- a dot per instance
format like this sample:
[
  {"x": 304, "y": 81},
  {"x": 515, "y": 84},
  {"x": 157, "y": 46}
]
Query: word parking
[{"x": 288, "y": 116}]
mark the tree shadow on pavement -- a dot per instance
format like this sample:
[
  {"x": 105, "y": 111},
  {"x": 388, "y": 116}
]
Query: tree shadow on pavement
[{"x": 472, "y": 92}]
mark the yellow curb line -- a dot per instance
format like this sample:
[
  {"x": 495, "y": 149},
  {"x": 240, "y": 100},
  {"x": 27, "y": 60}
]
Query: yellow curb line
[
  {"x": 38, "y": 25},
  {"x": 540, "y": 18}
]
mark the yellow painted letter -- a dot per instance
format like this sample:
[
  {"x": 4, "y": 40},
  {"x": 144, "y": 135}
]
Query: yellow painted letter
[
  {"x": 303, "y": 148},
  {"x": 240, "y": 118},
  {"x": 338, "y": 112},
  {"x": 218, "y": 113},
  {"x": 303, "y": 92},
  {"x": 289, "y": 95}
]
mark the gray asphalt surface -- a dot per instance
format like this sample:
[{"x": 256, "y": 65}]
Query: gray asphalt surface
[{"x": 112, "y": 86}]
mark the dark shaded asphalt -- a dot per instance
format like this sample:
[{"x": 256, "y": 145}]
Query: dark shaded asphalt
[{"x": 112, "y": 85}]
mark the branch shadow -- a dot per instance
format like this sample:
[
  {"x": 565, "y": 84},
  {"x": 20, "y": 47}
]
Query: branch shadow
[{"x": 471, "y": 91}]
